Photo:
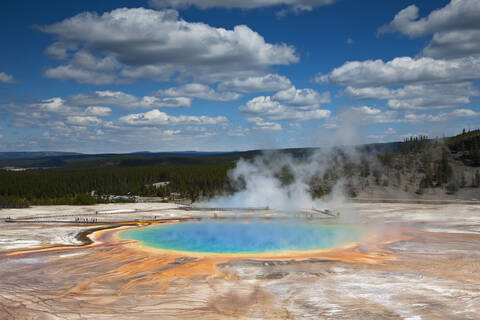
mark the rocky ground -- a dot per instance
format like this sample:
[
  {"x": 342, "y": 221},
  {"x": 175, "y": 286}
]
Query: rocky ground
[{"x": 421, "y": 262}]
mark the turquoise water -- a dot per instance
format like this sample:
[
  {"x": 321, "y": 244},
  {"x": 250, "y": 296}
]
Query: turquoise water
[{"x": 244, "y": 237}]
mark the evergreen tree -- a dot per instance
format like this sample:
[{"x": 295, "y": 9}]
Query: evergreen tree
[
  {"x": 463, "y": 180},
  {"x": 476, "y": 179},
  {"x": 475, "y": 152},
  {"x": 444, "y": 170}
]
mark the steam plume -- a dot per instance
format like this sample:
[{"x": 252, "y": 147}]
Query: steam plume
[{"x": 284, "y": 180}]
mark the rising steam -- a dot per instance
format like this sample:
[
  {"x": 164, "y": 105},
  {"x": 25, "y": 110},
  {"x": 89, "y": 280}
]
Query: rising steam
[{"x": 286, "y": 181}]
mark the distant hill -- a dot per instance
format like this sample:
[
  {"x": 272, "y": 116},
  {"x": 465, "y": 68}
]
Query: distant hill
[
  {"x": 35, "y": 155},
  {"x": 50, "y": 159},
  {"x": 89, "y": 161}
]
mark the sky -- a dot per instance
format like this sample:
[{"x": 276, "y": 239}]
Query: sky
[{"x": 224, "y": 75}]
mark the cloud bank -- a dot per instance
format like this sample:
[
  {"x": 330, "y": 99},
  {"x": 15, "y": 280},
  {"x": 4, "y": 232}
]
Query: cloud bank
[{"x": 129, "y": 44}]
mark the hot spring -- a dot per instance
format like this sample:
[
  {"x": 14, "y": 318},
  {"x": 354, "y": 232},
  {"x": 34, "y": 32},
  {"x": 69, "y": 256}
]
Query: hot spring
[{"x": 244, "y": 237}]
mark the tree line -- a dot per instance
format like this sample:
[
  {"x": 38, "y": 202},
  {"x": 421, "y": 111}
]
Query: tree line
[{"x": 60, "y": 186}]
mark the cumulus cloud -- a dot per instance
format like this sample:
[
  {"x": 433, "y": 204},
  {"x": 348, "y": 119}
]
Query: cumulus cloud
[
  {"x": 86, "y": 68},
  {"x": 6, "y": 78},
  {"x": 454, "y": 44},
  {"x": 64, "y": 107},
  {"x": 87, "y": 121},
  {"x": 296, "y": 5},
  {"x": 457, "y": 15},
  {"x": 269, "y": 82},
  {"x": 367, "y": 110},
  {"x": 238, "y": 132},
  {"x": 262, "y": 125},
  {"x": 82, "y": 108},
  {"x": 60, "y": 50},
  {"x": 403, "y": 70},
  {"x": 51, "y": 112},
  {"x": 442, "y": 76},
  {"x": 348, "y": 122},
  {"x": 142, "y": 43},
  {"x": 76, "y": 120},
  {"x": 289, "y": 104},
  {"x": 198, "y": 90},
  {"x": 122, "y": 99},
  {"x": 418, "y": 96},
  {"x": 367, "y": 115},
  {"x": 455, "y": 28},
  {"x": 65, "y": 124},
  {"x": 98, "y": 111},
  {"x": 55, "y": 105},
  {"x": 442, "y": 116},
  {"x": 390, "y": 131},
  {"x": 302, "y": 98},
  {"x": 159, "y": 118}
]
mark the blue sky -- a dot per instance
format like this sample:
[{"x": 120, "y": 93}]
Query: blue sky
[{"x": 210, "y": 75}]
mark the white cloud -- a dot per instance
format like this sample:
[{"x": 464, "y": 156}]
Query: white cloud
[
  {"x": 263, "y": 125},
  {"x": 455, "y": 28},
  {"x": 454, "y": 44},
  {"x": 238, "y": 132},
  {"x": 457, "y": 15},
  {"x": 53, "y": 112},
  {"x": 418, "y": 96},
  {"x": 269, "y": 82},
  {"x": 296, "y": 5},
  {"x": 1, "y": 136},
  {"x": 442, "y": 78},
  {"x": 290, "y": 104},
  {"x": 59, "y": 50},
  {"x": 441, "y": 117},
  {"x": 368, "y": 115},
  {"x": 198, "y": 90},
  {"x": 55, "y": 105},
  {"x": 138, "y": 43},
  {"x": 122, "y": 99},
  {"x": 403, "y": 70},
  {"x": 64, "y": 107},
  {"x": 390, "y": 131},
  {"x": 85, "y": 121},
  {"x": 158, "y": 118},
  {"x": 362, "y": 115},
  {"x": 6, "y": 78},
  {"x": 302, "y": 98},
  {"x": 98, "y": 111},
  {"x": 367, "y": 110},
  {"x": 86, "y": 68},
  {"x": 171, "y": 132}
]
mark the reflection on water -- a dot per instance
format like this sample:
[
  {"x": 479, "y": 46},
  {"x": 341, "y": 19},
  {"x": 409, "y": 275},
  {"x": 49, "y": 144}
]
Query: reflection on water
[{"x": 257, "y": 236}]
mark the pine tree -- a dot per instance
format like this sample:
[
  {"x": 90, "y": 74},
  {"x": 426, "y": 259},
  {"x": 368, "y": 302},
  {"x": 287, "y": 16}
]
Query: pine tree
[
  {"x": 444, "y": 170},
  {"x": 463, "y": 181},
  {"x": 475, "y": 152},
  {"x": 476, "y": 179}
]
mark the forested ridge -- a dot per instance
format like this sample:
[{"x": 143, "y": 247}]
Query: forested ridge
[
  {"x": 88, "y": 186},
  {"x": 415, "y": 166}
]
